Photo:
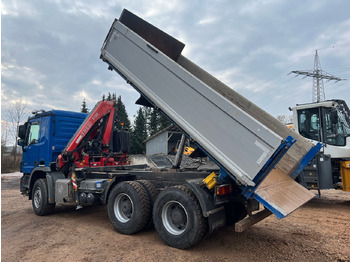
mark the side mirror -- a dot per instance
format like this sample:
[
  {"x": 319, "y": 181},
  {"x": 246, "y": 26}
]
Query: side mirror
[
  {"x": 20, "y": 142},
  {"x": 22, "y": 129},
  {"x": 334, "y": 116}
]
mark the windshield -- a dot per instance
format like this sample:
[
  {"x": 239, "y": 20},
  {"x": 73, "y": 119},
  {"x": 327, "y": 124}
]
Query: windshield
[
  {"x": 337, "y": 125},
  {"x": 345, "y": 112}
]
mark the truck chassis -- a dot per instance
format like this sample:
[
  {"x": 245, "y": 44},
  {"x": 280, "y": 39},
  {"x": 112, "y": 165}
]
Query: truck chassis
[{"x": 182, "y": 209}]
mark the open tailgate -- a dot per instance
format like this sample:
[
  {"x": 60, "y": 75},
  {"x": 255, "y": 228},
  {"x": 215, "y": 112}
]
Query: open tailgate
[{"x": 281, "y": 194}]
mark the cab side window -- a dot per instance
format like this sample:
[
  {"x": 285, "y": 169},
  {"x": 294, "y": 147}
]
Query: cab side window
[
  {"x": 33, "y": 135},
  {"x": 335, "y": 132},
  {"x": 309, "y": 123}
]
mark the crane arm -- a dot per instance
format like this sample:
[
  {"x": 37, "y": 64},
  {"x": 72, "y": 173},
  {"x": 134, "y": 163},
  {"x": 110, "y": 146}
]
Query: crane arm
[{"x": 94, "y": 134}]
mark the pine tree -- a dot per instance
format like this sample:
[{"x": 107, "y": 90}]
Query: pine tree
[
  {"x": 122, "y": 114},
  {"x": 156, "y": 120},
  {"x": 139, "y": 133},
  {"x": 147, "y": 112},
  {"x": 84, "y": 109},
  {"x": 103, "y": 97},
  {"x": 163, "y": 121},
  {"x": 153, "y": 126},
  {"x": 109, "y": 97}
]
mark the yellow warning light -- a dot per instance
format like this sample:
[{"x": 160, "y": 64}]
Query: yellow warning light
[{"x": 210, "y": 181}]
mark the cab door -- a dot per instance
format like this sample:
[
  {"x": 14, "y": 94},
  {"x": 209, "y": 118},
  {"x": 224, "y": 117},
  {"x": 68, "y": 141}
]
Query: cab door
[
  {"x": 310, "y": 124},
  {"x": 31, "y": 147}
]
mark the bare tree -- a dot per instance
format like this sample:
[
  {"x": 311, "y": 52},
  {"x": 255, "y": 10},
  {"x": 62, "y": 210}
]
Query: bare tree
[
  {"x": 16, "y": 113},
  {"x": 6, "y": 163},
  {"x": 4, "y": 137},
  {"x": 285, "y": 119},
  {"x": 4, "y": 132}
]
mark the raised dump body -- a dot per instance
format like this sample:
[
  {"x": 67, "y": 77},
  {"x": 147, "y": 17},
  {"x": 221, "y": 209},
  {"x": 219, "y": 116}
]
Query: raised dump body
[{"x": 246, "y": 142}]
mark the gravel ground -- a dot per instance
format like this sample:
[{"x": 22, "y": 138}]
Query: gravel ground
[{"x": 318, "y": 231}]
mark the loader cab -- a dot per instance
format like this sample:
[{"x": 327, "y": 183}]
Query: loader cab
[
  {"x": 327, "y": 122},
  {"x": 44, "y": 136}
]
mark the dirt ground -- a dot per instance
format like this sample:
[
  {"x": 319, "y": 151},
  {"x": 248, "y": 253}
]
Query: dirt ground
[{"x": 319, "y": 231}]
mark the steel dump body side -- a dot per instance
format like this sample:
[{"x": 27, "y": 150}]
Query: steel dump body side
[
  {"x": 233, "y": 138},
  {"x": 294, "y": 155}
]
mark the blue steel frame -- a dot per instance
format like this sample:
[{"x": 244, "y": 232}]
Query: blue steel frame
[
  {"x": 248, "y": 191},
  {"x": 307, "y": 158}
]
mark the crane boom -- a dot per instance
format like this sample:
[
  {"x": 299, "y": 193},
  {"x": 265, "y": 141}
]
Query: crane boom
[{"x": 92, "y": 144}]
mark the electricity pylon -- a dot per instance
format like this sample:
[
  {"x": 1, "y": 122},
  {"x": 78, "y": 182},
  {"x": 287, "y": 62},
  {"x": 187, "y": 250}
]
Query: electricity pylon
[{"x": 318, "y": 75}]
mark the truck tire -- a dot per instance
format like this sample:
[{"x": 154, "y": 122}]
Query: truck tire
[
  {"x": 129, "y": 207},
  {"x": 152, "y": 193},
  {"x": 178, "y": 217},
  {"x": 40, "y": 199}
]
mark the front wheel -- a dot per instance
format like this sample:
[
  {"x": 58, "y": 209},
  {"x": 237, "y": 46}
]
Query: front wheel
[
  {"x": 178, "y": 217},
  {"x": 40, "y": 198}
]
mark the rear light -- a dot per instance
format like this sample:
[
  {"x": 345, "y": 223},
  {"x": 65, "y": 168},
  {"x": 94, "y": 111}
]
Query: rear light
[{"x": 223, "y": 189}]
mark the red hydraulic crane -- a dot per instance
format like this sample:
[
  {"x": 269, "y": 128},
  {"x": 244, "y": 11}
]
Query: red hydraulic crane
[{"x": 96, "y": 143}]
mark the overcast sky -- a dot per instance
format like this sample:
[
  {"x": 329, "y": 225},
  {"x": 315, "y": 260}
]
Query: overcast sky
[{"x": 50, "y": 49}]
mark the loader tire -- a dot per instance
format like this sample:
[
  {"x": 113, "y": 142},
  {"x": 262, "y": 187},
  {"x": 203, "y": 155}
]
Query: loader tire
[
  {"x": 129, "y": 207},
  {"x": 178, "y": 217},
  {"x": 40, "y": 198}
]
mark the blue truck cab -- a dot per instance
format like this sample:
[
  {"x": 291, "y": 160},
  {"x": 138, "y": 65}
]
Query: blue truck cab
[{"x": 43, "y": 137}]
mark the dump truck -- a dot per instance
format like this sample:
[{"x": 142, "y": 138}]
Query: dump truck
[{"x": 257, "y": 155}]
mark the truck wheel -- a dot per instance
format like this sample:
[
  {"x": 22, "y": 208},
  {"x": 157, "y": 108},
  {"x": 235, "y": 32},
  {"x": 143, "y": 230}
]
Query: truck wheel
[
  {"x": 40, "y": 199},
  {"x": 129, "y": 207},
  {"x": 178, "y": 217},
  {"x": 152, "y": 193}
]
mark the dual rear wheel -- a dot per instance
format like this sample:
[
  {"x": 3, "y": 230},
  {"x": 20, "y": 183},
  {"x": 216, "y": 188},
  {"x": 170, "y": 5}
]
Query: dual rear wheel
[
  {"x": 129, "y": 207},
  {"x": 177, "y": 215}
]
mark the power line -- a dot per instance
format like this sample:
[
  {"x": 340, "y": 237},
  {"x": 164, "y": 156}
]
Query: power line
[
  {"x": 333, "y": 46},
  {"x": 318, "y": 93}
]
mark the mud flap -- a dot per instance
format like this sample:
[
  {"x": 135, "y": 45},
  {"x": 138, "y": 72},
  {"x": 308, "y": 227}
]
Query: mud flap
[{"x": 281, "y": 194}]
